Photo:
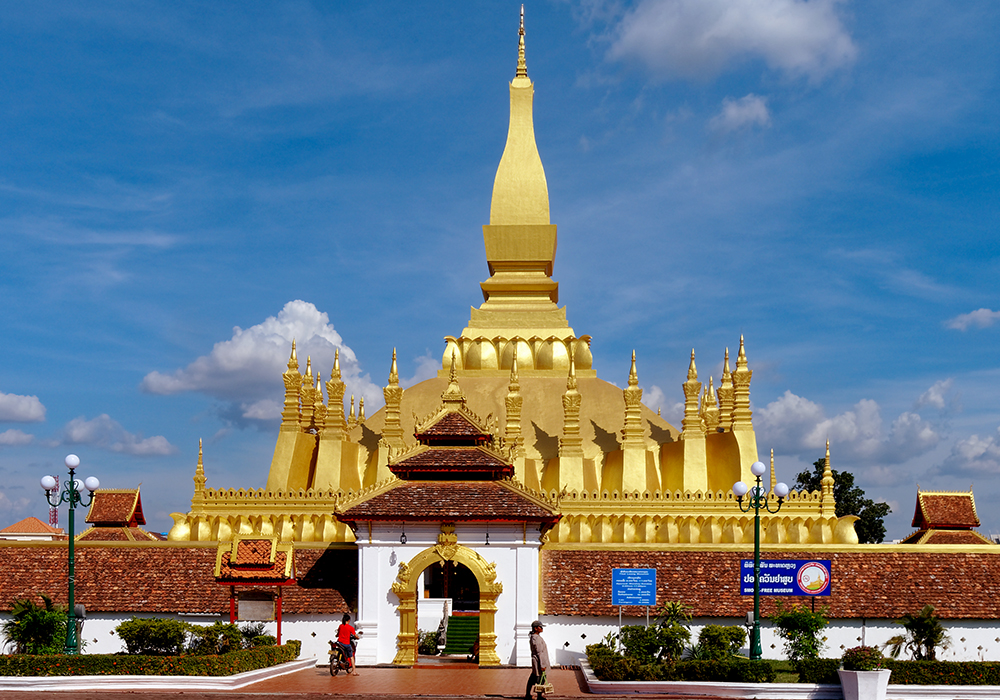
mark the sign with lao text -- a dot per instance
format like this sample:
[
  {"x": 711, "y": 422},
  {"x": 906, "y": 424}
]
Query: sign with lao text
[
  {"x": 633, "y": 586},
  {"x": 787, "y": 577}
]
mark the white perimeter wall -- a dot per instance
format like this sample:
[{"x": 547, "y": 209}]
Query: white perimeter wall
[
  {"x": 971, "y": 640},
  {"x": 567, "y": 637}
]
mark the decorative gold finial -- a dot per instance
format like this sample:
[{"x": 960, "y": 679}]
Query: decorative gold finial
[
  {"x": 309, "y": 365},
  {"x": 361, "y": 410},
  {"x": 293, "y": 360},
  {"x": 522, "y": 66},
  {"x": 692, "y": 368},
  {"x": 454, "y": 392},
  {"x": 393, "y": 372},
  {"x": 335, "y": 374},
  {"x": 571, "y": 379},
  {"x": 633, "y": 376},
  {"x": 350, "y": 416},
  {"x": 828, "y": 505},
  {"x": 199, "y": 472}
]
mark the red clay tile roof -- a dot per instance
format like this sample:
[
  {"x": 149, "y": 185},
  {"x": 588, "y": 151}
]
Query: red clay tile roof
[
  {"x": 270, "y": 573},
  {"x": 945, "y": 510},
  {"x": 452, "y": 425},
  {"x": 32, "y": 526},
  {"x": 873, "y": 584},
  {"x": 945, "y": 537},
  {"x": 448, "y": 501},
  {"x": 116, "y": 534},
  {"x": 121, "y": 507},
  {"x": 156, "y": 578},
  {"x": 254, "y": 552},
  {"x": 472, "y": 462}
]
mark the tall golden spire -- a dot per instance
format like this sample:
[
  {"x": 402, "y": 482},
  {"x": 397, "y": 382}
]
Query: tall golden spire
[
  {"x": 393, "y": 428},
  {"x": 828, "y": 503},
  {"x": 691, "y": 423},
  {"x": 512, "y": 404},
  {"x": 293, "y": 385},
  {"x": 520, "y": 192},
  {"x": 726, "y": 395},
  {"x": 199, "y": 482}
]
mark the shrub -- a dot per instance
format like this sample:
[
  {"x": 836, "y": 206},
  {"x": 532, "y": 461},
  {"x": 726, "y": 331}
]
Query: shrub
[
  {"x": 719, "y": 642},
  {"x": 263, "y": 640},
  {"x": 217, "y": 638},
  {"x": 800, "y": 628},
  {"x": 944, "y": 672},
  {"x": 818, "y": 671},
  {"x": 153, "y": 636},
  {"x": 863, "y": 659},
  {"x": 924, "y": 635},
  {"x": 428, "y": 643},
  {"x": 35, "y": 629},
  {"x": 114, "y": 664}
]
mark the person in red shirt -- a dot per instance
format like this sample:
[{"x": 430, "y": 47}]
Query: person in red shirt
[{"x": 346, "y": 638}]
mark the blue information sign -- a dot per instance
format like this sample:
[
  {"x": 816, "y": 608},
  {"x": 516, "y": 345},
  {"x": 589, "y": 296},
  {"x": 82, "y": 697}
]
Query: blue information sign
[
  {"x": 633, "y": 586},
  {"x": 787, "y": 577}
]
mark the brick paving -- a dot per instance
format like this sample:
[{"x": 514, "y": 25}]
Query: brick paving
[{"x": 425, "y": 682}]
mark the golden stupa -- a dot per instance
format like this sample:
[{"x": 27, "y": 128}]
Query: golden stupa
[{"x": 616, "y": 471}]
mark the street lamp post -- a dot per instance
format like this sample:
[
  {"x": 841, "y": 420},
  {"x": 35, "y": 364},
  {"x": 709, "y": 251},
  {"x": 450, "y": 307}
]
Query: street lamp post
[
  {"x": 71, "y": 495},
  {"x": 757, "y": 502}
]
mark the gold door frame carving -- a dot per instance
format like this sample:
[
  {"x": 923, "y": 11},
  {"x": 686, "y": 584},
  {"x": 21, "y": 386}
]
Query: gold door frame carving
[{"x": 405, "y": 589}]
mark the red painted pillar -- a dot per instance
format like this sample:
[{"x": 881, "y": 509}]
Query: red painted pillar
[
  {"x": 279, "y": 617},
  {"x": 232, "y": 605}
]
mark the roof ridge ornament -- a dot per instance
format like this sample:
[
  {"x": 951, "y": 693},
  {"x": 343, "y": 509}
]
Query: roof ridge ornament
[{"x": 522, "y": 66}]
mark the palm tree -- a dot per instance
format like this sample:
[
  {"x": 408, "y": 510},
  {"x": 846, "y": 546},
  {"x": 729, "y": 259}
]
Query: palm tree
[
  {"x": 34, "y": 629},
  {"x": 924, "y": 635}
]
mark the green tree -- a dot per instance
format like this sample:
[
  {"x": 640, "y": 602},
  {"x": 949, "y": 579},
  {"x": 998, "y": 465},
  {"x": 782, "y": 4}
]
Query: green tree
[
  {"x": 924, "y": 635},
  {"x": 35, "y": 629},
  {"x": 850, "y": 501}
]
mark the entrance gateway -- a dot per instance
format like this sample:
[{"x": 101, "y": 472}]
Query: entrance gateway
[{"x": 450, "y": 503}]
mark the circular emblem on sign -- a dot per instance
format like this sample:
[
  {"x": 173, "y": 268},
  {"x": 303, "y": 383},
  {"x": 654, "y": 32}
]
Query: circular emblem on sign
[{"x": 813, "y": 578}]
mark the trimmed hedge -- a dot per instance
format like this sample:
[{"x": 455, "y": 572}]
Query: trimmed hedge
[
  {"x": 609, "y": 666},
  {"x": 910, "y": 672},
  {"x": 128, "y": 665},
  {"x": 944, "y": 672}
]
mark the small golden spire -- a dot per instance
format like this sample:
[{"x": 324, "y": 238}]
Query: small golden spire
[
  {"x": 828, "y": 504},
  {"x": 335, "y": 374},
  {"x": 293, "y": 360},
  {"x": 633, "y": 376},
  {"x": 350, "y": 416},
  {"x": 199, "y": 472},
  {"x": 522, "y": 66},
  {"x": 309, "y": 364},
  {"x": 773, "y": 478},
  {"x": 454, "y": 391},
  {"x": 741, "y": 358},
  {"x": 726, "y": 373},
  {"x": 692, "y": 368},
  {"x": 393, "y": 372},
  {"x": 515, "y": 380},
  {"x": 361, "y": 410}
]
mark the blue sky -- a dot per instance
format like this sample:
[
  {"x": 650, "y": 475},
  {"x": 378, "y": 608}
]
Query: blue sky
[{"x": 186, "y": 186}]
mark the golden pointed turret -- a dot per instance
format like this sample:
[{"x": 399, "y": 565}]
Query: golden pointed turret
[
  {"x": 199, "y": 482},
  {"x": 829, "y": 503},
  {"x": 726, "y": 395},
  {"x": 392, "y": 430},
  {"x": 691, "y": 423},
  {"x": 773, "y": 478}
]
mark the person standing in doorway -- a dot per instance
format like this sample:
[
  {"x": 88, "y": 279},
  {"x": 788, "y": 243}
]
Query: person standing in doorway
[{"x": 539, "y": 659}]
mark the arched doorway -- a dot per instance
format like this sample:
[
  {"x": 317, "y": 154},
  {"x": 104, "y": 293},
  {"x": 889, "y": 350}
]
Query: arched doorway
[{"x": 447, "y": 550}]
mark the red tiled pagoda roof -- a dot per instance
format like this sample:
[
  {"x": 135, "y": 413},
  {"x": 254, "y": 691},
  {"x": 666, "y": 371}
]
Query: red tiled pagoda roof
[
  {"x": 452, "y": 425},
  {"x": 470, "y": 462},
  {"x": 448, "y": 501},
  {"x": 945, "y": 510},
  {"x": 121, "y": 507}
]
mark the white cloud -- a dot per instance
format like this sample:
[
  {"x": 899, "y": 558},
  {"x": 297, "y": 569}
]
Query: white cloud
[
  {"x": 21, "y": 409},
  {"x": 15, "y": 437},
  {"x": 793, "y": 424},
  {"x": 701, "y": 38},
  {"x": 938, "y": 396},
  {"x": 245, "y": 371},
  {"x": 427, "y": 368},
  {"x": 747, "y": 111},
  {"x": 980, "y": 318},
  {"x": 975, "y": 455},
  {"x": 107, "y": 433}
]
